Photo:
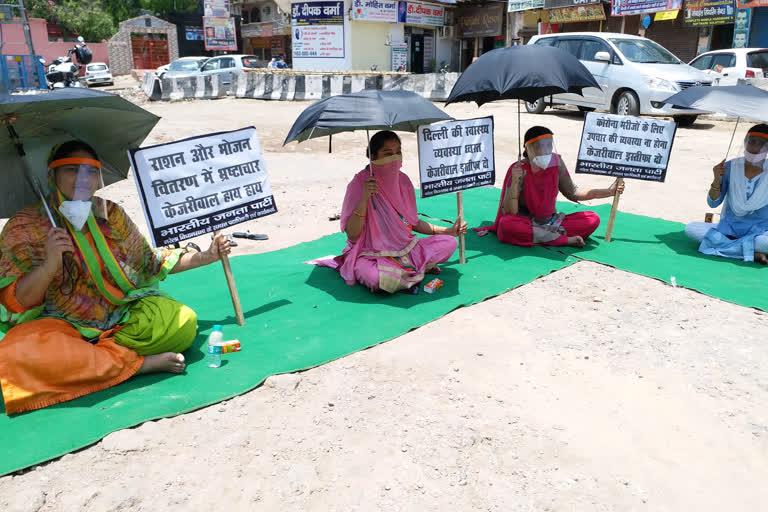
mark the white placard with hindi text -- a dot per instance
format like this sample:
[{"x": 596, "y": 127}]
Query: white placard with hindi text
[
  {"x": 456, "y": 155},
  {"x": 202, "y": 184},
  {"x": 625, "y": 146}
]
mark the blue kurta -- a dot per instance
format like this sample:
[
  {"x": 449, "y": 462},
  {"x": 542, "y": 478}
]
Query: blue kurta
[{"x": 733, "y": 236}]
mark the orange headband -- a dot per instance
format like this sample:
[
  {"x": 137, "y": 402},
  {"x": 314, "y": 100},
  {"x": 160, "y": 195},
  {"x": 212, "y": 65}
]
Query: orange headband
[
  {"x": 545, "y": 136},
  {"x": 757, "y": 134},
  {"x": 74, "y": 161}
]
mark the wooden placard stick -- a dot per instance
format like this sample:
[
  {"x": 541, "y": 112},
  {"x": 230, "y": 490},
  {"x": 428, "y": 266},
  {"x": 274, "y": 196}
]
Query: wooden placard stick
[
  {"x": 232, "y": 287},
  {"x": 614, "y": 209},
  {"x": 460, "y": 208}
]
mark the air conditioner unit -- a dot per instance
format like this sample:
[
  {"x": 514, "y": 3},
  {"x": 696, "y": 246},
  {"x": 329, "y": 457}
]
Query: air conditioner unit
[
  {"x": 267, "y": 13},
  {"x": 446, "y": 32}
]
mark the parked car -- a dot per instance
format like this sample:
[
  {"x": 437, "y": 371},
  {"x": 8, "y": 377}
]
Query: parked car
[
  {"x": 635, "y": 75},
  {"x": 228, "y": 65},
  {"x": 726, "y": 67},
  {"x": 181, "y": 67},
  {"x": 98, "y": 73}
]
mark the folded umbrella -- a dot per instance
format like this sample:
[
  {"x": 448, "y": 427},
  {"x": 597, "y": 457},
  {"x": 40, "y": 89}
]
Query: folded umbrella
[{"x": 35, "y": 123}]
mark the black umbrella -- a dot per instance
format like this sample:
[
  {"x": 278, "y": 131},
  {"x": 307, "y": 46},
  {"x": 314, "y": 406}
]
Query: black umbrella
[
  {"x": 525, "y": 73},
  {"x": 366, "y": 110},
  {"x": 734, "y": 100},
  {"x": 34, "y": 123}
]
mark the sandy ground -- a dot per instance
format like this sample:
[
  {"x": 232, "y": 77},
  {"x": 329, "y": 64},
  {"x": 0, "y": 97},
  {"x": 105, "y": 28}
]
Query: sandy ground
[{"x": 589, "y": 389}]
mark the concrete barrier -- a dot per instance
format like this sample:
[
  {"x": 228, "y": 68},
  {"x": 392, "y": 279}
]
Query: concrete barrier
[
  {"x": 297, "y": 87},
  {"x": 151, "y": 86},
  {"x": 761, "y": 83}
]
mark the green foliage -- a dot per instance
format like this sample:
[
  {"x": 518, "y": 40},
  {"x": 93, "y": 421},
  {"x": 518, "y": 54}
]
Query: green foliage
[
  {"x": 168, "y": 6},
  {"x": 86, "y": 18}
]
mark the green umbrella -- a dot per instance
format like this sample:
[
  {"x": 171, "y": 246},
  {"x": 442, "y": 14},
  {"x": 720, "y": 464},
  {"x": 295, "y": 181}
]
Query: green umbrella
[{"x": 35, "y": 123}]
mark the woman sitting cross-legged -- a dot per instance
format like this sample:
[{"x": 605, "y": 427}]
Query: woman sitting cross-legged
[
  {"x": 379, "y": 217},
  {"x": 85, "y": 311},
  {"x": 527, "y": 215},
  {"x": 741, "y": 185}
]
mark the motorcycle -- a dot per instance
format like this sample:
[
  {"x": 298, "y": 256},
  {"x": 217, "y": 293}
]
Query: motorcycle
[{"x": 62, "y": 72}]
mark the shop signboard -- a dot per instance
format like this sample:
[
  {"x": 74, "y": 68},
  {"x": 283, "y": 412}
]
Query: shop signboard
[
  {"x": 524, "y": 5},
  {"x": 399, "y": 56},
  {"x": 318, "y": 30},
  {"x": 216, "y": 8},
  {"x": 415, "y": 13},
  {"x": 219, "y": 34},
  {"x": 556, "y": 4},
  {"x": 480, "y": 21},
  {"x": 699, "y": 13},
  {"x": 632, "y": 7},
  {"x": 374, "y": 10},
  {"x": 573, "y": 14},
  {"x": 747, "y": 4}
]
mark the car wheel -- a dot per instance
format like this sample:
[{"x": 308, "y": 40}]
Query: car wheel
[
  {"x": 685, "y": 120},
  {"x": 586, "y": 109},
  {"x": 537, "y": 107},
  {"x": 627, "y": 104}
]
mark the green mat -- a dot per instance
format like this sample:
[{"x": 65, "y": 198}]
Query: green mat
[
  {"x": 660, "y": 249},
  {"x": 298, "y": 316}
]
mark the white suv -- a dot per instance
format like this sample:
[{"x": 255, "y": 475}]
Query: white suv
[{"x": 635, "y": 75}]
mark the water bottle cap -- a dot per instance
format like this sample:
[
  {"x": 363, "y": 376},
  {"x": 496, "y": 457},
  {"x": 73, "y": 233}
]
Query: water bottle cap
[{"x": 216, "y": 327}]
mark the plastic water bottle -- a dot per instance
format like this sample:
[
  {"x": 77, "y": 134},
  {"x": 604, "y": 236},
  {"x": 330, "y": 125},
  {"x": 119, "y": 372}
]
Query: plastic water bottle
[
  {"x": 673, "y": 282},
  {"x": 214, "y": 347}
]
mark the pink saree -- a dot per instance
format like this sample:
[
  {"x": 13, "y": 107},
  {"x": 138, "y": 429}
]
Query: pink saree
[{"x": 387, "y": 255}]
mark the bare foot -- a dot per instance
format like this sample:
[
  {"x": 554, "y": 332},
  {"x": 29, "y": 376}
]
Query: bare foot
[
  {"x": 434, "y": 270},
  {"x": 170, "y": 362},
  {"x": 761, "y": 258},
  {"x": 575, "y": 241}
]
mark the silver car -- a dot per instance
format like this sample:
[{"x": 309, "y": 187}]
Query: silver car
[
  {"x": 227, "y": 66},
  {"x": 635, "y": 74}
]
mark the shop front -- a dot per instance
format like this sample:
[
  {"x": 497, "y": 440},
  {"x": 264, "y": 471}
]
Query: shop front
[
  {"x": 663, "y": 22},
  {"x": 422, "y": 24},
  {"x": 267, "y": 40},
  {"x": 480, "y": 30},
  {"x": 575, "y": 15},
  {"x": 533, "y": 16}
]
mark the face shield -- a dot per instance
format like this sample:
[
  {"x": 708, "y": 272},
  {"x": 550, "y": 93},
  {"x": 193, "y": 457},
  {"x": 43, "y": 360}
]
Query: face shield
[
  {"x": 540, "y": 150},
  {"x": 76, "y": 179},
  {"x": 755, "y": 148}
]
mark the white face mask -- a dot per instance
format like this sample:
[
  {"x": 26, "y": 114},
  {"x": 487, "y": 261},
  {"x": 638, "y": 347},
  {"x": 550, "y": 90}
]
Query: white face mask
[
  {"x": 755, "y": 158},
  {"x": 76, "y": 212},
  {"x": 542, "y": 161}
]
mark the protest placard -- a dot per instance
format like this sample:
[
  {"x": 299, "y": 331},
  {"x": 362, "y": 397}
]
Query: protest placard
[
  {"x": 625, "y": 147},
  {"x": 456, "y": 156},
  {"x": 201, "y": 185}
]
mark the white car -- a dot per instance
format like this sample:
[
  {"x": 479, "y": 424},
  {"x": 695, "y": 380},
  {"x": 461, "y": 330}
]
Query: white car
[
  {"x": 635, "y": 75},
  {"x": 228, "y": 65},
  {"x": 97, "y": 73},
  {"x": 184, "y": 66},
  {"x": 726, "y": 67}
]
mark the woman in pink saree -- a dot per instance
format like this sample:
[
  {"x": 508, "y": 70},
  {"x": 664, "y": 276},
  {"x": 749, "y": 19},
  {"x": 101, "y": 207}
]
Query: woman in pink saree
[
  {"x": 527, "y": 214},
  {"x": 379, "y": 217}
]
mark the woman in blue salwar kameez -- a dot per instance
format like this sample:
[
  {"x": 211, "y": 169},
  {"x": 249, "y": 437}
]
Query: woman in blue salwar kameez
[{"x": 741, "y": 186}]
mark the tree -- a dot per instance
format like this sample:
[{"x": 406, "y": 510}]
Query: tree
[
  {"x": 168, "y": 6},
  {"x": 87, "y": 18}
]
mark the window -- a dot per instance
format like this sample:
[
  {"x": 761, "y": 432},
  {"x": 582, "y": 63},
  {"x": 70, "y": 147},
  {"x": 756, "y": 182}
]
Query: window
[
  {"x": 644, "y": 51},
  {"x": 212, "y": 65},
  {"x": 227, "y": 62},
  {"x": 726, "y": 60},
  {"x": 546, "y": 41},
  {"x": 245, "y": 17},
  {"x": 702, "y": 62},
  {"x": 97, "y": 67},
  {"x": 758, "y": 60},
  {"x": 255, "y": 15},
  {"x": 570, "y": 45},
  {"x": 251, "y": 62},
  {"x": 590, "y": 48},
  {"x": 185, "y": 65}
]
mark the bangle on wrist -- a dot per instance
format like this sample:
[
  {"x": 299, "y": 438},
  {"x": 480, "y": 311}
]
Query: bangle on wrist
[{"x": 361, "y": 215}]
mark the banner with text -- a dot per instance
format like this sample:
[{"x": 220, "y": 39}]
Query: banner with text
[
  {"x": 524, "y": 5},
  {"x": 318, "y": 30},
  {"x": 374, "y": 10},
  {"x": 456, "y": 155},
  {"x": 480, "y": 21},
  {"x": 709, "y": 12},
  {"x": 574, "y": 14},
  {"x": 625, "y": 146},
  {"x": 420, "y": 14},
  {"x": 216, "y": 8},
  {"x": 219, "y": 33},
  {"x": 632, "y": 7},
  {"x": 202, "y": 184}
]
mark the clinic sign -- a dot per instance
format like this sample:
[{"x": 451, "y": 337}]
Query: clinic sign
[{"x": 318, "y": 30}]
